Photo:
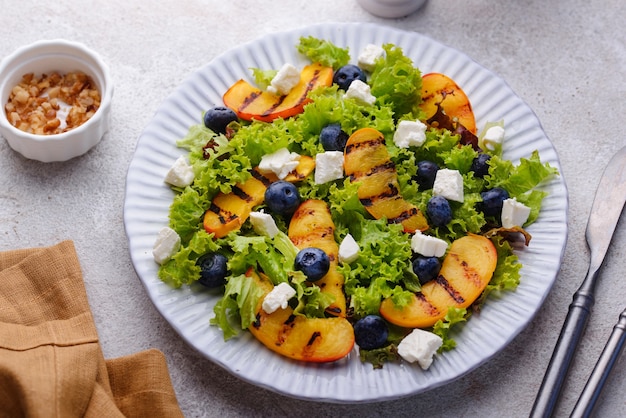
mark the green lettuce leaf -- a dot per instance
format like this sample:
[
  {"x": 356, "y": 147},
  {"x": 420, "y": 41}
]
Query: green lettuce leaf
[
  {"x": 533, "y": 200},
  {"x": 443, "y": 327},
  {"x": 384, "y": 264},
  {"x": 481, "y": 142},
  {"x": 521, "y": 178},
  {"x": 397, "y": 83},
  {"x": 236, "y": 310},
  {"x": 379, "y": 356},
  {"x": 263, "y": 78},
  {"x": 181, "y": 268},
  {"x": 186, "y": 212},
  {"x": 507, "y": 276},
  {"x": 324, "y": 52}
]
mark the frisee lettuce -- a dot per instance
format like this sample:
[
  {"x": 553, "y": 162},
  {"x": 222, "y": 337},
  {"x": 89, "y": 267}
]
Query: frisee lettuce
[
  {"x": 443, "y": 327},
  {"x": 324, "y": 52},
  {"x": 275, "y": 258},
  {"x": 236, "y": 310},
  {"x": 397, "y": 83},
  {"x": 263, "y": 78}
]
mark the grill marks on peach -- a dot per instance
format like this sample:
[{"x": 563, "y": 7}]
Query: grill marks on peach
[
  {"x": 251, "y": 103},
  {"x": 367, "y": 162},
  {"x": 228, "y": 211},
  {"x": 286, "y": 330},
  {"x": 248, "y": 100},
  {"x": 313, "y": 338},
  {"x": 260, "y": 177},
  {"x": 445, "y": 285},
  {"x": 440, "y": 90},
  {"x": 241, "y": 194},
  {"x": 320, "y": 234},
  {"x": 312, "y": 226},
  {"x": 296, "y": 336},
  {"x": 426, "y": 305},
  {"x": 466, "y": 271},
  {"x": 223, "y": 215},
  {"x": 366, "y": 144}
]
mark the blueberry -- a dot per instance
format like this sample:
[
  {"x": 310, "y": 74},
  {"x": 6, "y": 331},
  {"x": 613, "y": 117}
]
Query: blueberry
[
  {"x": 439, "y": 211},
  {"x": 333, "y": 138},
  {"x": 480, "y": 165},
  {"x": 426, "y": 268},
  {"x": 282, "y": 198},
  {"x": 217, "y": 118},
  {"x": 426, "y": 172},
  {"x": 345, "y": 75},
  {"x": 492, "y": 201},
  {"x": 213, "y": 270},
  {"x": 313, "y": 262},
  {"x": 371, "y": 332}
]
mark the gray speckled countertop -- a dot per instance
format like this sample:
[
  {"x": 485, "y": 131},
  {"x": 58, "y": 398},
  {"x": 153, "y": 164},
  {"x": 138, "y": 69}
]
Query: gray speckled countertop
[{"x": 567, "y": 60}]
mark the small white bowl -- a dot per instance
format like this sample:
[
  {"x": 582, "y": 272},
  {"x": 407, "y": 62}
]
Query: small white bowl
[
  {"x": 391, "y": 8},
  {"x": 45, "y": 57}
]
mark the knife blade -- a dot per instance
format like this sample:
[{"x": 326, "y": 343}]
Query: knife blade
[{"x": 605, "y": 213}]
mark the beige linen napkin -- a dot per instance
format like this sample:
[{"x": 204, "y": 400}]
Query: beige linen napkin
[{"x": 51, "y": 363}]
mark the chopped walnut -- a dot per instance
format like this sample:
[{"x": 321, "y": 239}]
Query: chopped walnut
[{"x": 37, "y": 104}]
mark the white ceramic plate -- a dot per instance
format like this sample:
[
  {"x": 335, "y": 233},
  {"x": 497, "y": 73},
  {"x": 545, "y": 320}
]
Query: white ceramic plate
[{"x": 188, "y": 309}]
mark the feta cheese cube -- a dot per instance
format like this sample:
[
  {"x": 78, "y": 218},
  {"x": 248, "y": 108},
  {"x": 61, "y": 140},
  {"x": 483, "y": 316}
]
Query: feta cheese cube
[
  {"x": 278, "y": 297},
  {"x": 428, "y": 246},
  {"x": 409, "y": 134},
  {"x": 361, "y": 92},
  {"x": 180, "y": 174},
  {"x": 263, "y": 224},
  {"x": 285, "y": 79},
  {"x": 420, "y": 346},
  {"x": 493, "y": 137},
  {"x": 166, "y": 245},
  {"x": 368, "y": 57},
  {"x": 348, "y": 250},
  {"x": 281, "y": 162},
  {"x": 449, "y": 184},
  {"x": 514, "y": 213},
  {"x": 328, "y": 166}
]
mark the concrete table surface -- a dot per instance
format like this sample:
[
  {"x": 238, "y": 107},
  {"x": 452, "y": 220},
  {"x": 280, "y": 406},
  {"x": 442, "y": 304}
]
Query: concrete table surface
[{"x": 567, "y": 60}]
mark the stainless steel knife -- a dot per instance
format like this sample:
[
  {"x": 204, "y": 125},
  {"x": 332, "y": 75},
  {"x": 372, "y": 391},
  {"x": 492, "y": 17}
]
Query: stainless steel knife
[{"x": 605, "y": 213}]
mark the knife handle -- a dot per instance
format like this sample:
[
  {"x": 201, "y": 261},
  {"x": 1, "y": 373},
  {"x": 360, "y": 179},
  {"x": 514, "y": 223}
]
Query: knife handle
[
  {"x": 610, "y": 354},
  {"x": 571, "y": 333}
]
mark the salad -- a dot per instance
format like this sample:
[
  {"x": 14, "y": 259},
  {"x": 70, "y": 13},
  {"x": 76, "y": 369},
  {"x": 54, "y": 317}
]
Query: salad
[{"x": 390, "y": 242}]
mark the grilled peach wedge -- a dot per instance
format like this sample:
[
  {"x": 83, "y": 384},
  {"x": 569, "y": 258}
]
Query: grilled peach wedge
[
  {"x": 366, "y": 160},
  {"x": 317, "y": 340},
  {"x": 249, "y": 102},
  {"x": 228, "y": 211},
  {"x": 312, "y": 226},
  {"x": 440, "y": 90},
  {"x": 466, "y": 271}
]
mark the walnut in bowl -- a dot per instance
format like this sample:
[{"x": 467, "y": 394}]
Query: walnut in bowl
[{"x": 56, "y": 99}]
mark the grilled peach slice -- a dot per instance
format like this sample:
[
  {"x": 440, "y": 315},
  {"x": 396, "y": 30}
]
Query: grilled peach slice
[
  {"x": 250, "y": 103},
  {"x": 305, "y": 167},
  {"x": 466, "y": 271},
  {"x": 228, "y": 211},
  {"x": 440, "y": 90},
  {"x": 367, "y": 161},
  {"x": 317, "y": 340},
  {"x": 312, "y": 226}
]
